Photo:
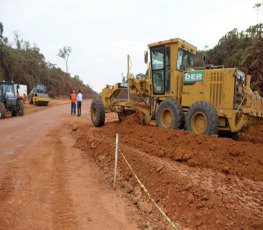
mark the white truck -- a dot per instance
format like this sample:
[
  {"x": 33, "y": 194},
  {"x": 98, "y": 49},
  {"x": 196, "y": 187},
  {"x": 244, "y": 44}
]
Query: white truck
[{"x": 22, "y": 89}]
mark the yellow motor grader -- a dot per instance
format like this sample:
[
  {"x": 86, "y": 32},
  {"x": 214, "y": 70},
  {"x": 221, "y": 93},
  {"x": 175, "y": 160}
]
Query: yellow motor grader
[{"x": 206, "y": 100}]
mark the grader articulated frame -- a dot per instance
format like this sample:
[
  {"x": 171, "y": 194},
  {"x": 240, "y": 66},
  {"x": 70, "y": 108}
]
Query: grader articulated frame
[{"x": 127, "y": 103}]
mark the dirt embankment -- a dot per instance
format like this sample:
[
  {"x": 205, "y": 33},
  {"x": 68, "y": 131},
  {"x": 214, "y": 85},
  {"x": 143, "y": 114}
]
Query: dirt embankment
[{"x": 200, "y": 182}]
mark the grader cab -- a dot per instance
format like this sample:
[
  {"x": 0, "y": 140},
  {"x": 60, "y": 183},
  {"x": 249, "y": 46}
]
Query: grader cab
[{"x": 206, "y": 100}]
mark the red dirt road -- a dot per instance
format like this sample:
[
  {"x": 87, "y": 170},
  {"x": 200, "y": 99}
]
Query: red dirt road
[
  {"x": 46, "y": 184},
  {"x": 59, "y": 176},
  {"x": 18, "y": 132}
]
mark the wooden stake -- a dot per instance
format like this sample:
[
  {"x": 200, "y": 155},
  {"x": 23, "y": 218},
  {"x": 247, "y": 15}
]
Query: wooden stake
[{"x": 116, "y": 160}]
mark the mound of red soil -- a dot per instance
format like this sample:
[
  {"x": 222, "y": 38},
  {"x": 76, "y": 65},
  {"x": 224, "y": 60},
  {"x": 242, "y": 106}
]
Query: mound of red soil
[
  {"x": 254, "y": 134},
  {"x": 221, "y": 154},
  {"x": 200, "y": 182}
]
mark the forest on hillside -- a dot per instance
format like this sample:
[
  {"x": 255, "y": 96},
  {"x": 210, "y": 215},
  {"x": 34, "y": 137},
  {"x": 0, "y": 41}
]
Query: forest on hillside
[
  {"x": 25, "y": 64},
  {"x": 243, "y": 50}
]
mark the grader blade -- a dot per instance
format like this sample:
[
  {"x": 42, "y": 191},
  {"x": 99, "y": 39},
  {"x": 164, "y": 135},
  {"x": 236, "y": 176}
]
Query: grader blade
[{"x": 144, "y": 113}]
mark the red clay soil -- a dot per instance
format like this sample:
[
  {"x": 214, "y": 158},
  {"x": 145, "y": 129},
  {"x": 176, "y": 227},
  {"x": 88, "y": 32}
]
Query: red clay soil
[{"x": 200, "y": 182}]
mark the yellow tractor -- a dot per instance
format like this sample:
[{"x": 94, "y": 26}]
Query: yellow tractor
[{"x": 206, "y": 100}]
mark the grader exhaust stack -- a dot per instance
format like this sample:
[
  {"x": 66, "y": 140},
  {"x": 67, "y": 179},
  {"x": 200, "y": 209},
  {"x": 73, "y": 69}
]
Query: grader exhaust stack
[{"x": 205, "y": 100}]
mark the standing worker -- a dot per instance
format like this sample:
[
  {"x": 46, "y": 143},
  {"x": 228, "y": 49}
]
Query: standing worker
[
  {"x": 73, "y": 102},
  {"x": 79, "y": 102}
]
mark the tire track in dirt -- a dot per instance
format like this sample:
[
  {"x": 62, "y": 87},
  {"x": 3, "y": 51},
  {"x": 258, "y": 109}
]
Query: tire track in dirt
[
  {"x": 26, "y": 176},
  {"x": 15, "y": 182},
  {"x": 250, "y": 197},
  {"x": 63, "y": 214},
  {"x": 6, "y": 192},
  {"x": 34, "y": 192}
]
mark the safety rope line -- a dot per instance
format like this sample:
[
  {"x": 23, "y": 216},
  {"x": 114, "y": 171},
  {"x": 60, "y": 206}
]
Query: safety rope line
[{"x": 173, "y": 224}]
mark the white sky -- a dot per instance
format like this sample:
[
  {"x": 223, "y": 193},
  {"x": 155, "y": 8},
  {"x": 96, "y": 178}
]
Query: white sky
[{"x": 102, "y": 32}]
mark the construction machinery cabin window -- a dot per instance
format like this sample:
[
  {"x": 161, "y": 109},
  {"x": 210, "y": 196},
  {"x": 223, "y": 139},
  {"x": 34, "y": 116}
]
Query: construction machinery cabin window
[
  {"x": 160, "y": 59},
  {"x": 8, "y": 90},
  {"x": 40, "y": 89},
  {"x": 185, "y": 60}
]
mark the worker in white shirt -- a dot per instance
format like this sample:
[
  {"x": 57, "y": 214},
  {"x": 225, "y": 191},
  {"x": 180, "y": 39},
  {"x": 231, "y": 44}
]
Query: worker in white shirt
[{"x": 79, "y": 102}]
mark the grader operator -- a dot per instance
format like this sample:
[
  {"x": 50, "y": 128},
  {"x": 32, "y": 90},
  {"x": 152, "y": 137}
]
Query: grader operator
[{"x": 205, "y": 100}]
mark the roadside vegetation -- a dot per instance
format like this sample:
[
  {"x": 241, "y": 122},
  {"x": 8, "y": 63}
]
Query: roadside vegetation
[{"x": 243, "y": 50}]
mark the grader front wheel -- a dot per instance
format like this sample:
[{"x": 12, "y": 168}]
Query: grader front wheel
[{"x": 97, "y": 113}]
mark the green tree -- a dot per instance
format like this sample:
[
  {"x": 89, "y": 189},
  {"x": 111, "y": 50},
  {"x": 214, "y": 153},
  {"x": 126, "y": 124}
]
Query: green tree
[
  {"x": 258, "y": 7},
  {"x": 243, "y": 50},
  {"x": 64, "y": 53},
  {"x": 19, "y": 41},
  {"x": 2, "y": 38},
  {"x": 1, "y": 29}
]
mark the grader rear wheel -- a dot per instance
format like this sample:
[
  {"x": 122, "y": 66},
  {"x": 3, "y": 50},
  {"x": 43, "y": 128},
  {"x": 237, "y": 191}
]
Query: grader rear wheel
[
  {"x": 199, "y": 122},
  {"x": 97, "y": 113},
  {"x": 202, "y": 118}
]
